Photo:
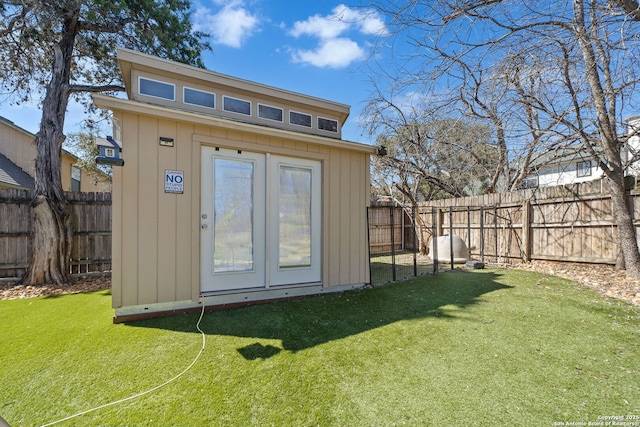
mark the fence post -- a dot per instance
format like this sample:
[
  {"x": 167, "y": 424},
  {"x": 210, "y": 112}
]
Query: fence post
[
  {"x": 434, "y": 236},
  {"x": 495, "y": 229},
  {"x": 368, "y": 212},
  {"x": 393, "y": 243},
  {"x": 526, "y": 231},
  {"x": 482, "y": 233},
  {"x": 451, "y": 235},
  {"x": 414, "y": 220},
  {"x": 469, "y": 230}
]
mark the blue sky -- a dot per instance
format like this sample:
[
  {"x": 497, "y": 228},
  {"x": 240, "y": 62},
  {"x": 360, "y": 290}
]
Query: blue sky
[{"x": 317, "y": 48}]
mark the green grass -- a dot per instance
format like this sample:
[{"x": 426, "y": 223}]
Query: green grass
[{"x": 482, "y": 348}]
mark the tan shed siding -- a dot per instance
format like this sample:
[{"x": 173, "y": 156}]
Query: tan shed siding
[
  {"x": 158, "y": 245},
  {"x": 333, "y": 213},
  {"x": 344, "y": 208},
  {"x": 185, "y": 215},
  {"x": 355, "y": 220},
  {"x": 148, "y": 210},
  {"x": 129, "y": 210},
  {"x": 157, "y": 253},
  {"x": 116, "y": 239},
  {"x": 167, "y": 214},
  {"x": 367, "y": 203},
  {"x": 347, "y": 257}
]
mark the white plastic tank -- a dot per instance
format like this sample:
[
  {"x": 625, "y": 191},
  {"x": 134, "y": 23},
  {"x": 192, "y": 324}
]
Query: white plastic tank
[{"x": 443, "y": 245}]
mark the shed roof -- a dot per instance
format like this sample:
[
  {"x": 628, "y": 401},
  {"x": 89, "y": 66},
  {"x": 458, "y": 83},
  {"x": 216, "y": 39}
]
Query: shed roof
[
  {"x": 130, "y": 59},
  {"x": 137, "y": 107},
  {"x": 12, "y": 176}
]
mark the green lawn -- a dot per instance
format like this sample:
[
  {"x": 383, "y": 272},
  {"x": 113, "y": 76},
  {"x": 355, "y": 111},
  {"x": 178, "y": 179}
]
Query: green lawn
[{"x": 481, "y": 348}]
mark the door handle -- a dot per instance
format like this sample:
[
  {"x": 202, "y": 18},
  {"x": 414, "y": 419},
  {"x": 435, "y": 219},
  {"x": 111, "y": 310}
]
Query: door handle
[{"x": 204, "y": 226}]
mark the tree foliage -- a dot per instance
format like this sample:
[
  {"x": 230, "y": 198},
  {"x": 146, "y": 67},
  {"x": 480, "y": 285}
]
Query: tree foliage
[
  {"x": 84, "y": 147},
  {"x": 61, "y": 48},
  {"x": 30, "y": 31},
  {"x": 424, "y": 160}
]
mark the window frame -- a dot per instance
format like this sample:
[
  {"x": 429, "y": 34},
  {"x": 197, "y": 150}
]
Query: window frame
[
  {"x": 224, "y": 97},
  {"x": 581, "y": 171},
  {"x": 75, "y": 168},
  {"x": 328, "y": 120},
  {"x": 173, "y": 86},
  {"x": 302, "y": 114},
  {"x": 270, "y": 106},
  {"x": 185, "y": 88}
]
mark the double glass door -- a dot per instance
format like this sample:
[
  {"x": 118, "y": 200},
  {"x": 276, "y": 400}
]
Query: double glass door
[{"x": 260, "y": 220}]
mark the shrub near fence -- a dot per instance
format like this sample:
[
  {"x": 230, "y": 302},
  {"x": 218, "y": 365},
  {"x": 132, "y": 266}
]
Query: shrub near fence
[{"x": 91, "y": 219}]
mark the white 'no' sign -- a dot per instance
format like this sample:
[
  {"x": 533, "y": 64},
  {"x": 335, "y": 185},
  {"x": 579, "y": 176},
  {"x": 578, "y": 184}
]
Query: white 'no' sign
[{"x": 173, "y": 181}]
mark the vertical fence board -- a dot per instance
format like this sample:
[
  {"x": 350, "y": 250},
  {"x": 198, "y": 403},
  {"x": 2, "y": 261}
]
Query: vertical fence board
[{"x": 91, "y": 241}]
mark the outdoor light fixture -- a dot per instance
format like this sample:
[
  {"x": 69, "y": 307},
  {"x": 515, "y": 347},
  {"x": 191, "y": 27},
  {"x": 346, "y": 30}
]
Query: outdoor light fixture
[{"x": 166, "y": 142}]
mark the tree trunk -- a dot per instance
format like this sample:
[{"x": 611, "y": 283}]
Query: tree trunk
[
  {"x": 52, "y": 231},
  {"x": 51, "y": 244},
  {"x": 51, "y": 247},
  {"x": 421, "y": 232},
  {"x": 608, "y": 141},
  {"x": 626, "y": 230}
]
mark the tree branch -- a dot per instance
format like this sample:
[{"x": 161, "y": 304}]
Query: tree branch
[
  {"x": 630, "y": 7},
  {"x": 95, "y": 89}
]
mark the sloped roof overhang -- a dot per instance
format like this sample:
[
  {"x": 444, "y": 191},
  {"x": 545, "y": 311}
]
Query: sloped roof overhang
[
  {"x": 118, "y": 104},
  {"x": 130, "y": 59}
]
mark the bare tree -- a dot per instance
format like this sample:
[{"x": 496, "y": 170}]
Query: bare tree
[
  {"x": 569, "y": 73},
  {"x": 423, "y": 162}
]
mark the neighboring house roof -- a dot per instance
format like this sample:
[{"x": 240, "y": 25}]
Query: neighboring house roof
[
  {"x": 12, "y": 176},
  {"x": 569, "y": 154}
]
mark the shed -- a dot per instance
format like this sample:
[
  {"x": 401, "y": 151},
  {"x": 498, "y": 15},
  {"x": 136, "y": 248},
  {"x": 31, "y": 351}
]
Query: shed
[{"x": 232, "y": 192}]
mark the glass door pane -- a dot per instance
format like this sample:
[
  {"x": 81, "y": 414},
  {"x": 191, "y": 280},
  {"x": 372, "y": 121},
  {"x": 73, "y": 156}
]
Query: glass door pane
[
  {"x": 233, "y": 213},
  {"x": 295, "y": 217}
]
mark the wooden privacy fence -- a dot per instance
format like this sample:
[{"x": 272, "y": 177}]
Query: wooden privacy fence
[
  {"x": 572, "y": 223},
  {"x": 91, "y": 219},
  {"x": 390, "y": 230}
]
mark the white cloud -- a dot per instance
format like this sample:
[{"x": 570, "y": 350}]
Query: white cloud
[
  {"x": 341, "y": 19},
  {"x": 324, "y": 27},
  {"x": 332, "y": 53},
  {"x": 333, "y": 50},
  {"x": 230, "y": 26},
  {"x": 366, "y": 21}
]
